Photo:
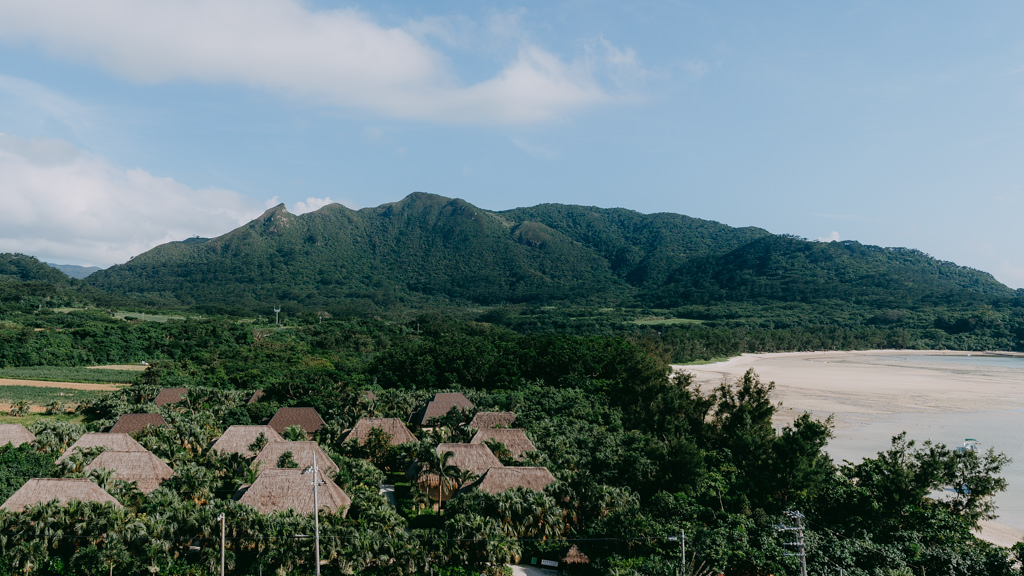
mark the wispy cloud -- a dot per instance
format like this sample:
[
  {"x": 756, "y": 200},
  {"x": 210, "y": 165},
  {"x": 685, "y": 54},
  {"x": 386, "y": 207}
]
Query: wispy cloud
[
  {"x": 833, "y": 237},
  {"x": 19, "y": 96},
  {"x": 534, "y": 150},
  {"x": 335, "y": 57},
  {"x": 66, "y": 205},
  {"x": 310, "y": 205}
]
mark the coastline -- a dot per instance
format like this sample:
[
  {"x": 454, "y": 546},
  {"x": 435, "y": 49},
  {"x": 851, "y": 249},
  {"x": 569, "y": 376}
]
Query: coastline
[{"x": 875, "y": 394}]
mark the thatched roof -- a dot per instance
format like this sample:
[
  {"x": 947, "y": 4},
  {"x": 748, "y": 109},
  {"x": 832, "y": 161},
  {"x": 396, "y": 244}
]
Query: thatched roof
[
  {"x": 237, "y": 439},
  {"x": 574, "y": 556},
  {"x": 501, "y": 479},
  {"x": 476, "y": 458},
  {"x": 255, "y": 397},
  {"x": 492, "y": 420},
  {"x": 307, "y": 417},
  {"x": 143, "y": 468},
  {"x": 442, "y": 403},
  {"x": 393, "y": 426},
  {"x": 302, "y": 453},
  {"x": 15, "y": 434},
  {"x": 279, "y": 489},
  {"x": 63, "y": 490},
  {"x": 133, "y": 423},
  {"x": 170, "y": 396},
  {"x": 513, "y": 438},
  {"x": 112, "y": 441}
]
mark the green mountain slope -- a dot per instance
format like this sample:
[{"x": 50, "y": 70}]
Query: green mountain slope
[{"x": 427, "y": 248}]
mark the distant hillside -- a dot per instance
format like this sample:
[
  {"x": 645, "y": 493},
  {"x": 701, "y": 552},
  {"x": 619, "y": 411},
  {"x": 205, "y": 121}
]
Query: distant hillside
[
  {"x": 428, "y": 248},
  {"x": 74, "y": 271},
  {"x": 24, "y": 268}
]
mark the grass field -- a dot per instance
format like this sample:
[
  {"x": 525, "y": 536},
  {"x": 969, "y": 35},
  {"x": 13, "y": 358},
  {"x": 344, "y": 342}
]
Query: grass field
[
  {"x": 64, "y": 374},
  {"x": 146, "y": 317},
  {"x": 662, "y": 321},
  {"x": 42, "y": 396},
  {"x": 29, "y": 419}
]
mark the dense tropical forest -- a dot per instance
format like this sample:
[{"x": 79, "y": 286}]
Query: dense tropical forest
[{"x": 567, "y": 316}]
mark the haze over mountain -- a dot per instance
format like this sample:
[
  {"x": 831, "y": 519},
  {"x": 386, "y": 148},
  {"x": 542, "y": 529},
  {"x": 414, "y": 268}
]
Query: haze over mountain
[{"x": 431, "y": 248}]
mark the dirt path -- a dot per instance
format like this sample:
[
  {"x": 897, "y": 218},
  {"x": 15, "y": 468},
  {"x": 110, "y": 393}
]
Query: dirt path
[{"x": 71, "y": 385}]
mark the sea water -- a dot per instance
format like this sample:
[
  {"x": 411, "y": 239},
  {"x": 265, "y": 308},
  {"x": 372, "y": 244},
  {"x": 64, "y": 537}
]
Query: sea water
[{"x": 1000, "y": 427}]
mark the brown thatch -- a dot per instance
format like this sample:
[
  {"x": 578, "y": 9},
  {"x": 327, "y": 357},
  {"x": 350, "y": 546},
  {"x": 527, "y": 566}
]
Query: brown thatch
[
  {"x": 255, "y": 397},
  {"x": 15, "y": 434},
  {"x": 143, "y": 468},
  {"x": 393, "y": 426},
  {"x": 279, "y": 489},
  {"x": 134, "y": 423},
  {"x": 113, "y": 442},
  {"x": 475, "y": 458},
  {"x": 442, "y": 403},
  {"x": 308, "y": 418},
  {"x": 302, "y": 453},
  {"x": 237, "y": 439},
  {"x": 63, "y": 490},
  {"x": 501, "y": 479},
  {"x": 170, "y": 396},
  {"x": 574, "y": 556},
  {"x": 492, "y": 420},
  {"x": 513, "y": 438}
]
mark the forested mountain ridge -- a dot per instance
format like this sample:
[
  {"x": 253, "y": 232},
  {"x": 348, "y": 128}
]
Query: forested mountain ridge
[{"x": 427, "y": 248}]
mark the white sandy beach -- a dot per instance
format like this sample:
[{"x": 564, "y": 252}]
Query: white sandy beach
[{"x": 876, "y": 394}]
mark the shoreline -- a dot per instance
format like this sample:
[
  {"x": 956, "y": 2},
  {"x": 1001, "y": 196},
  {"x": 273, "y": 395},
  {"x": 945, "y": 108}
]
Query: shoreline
[{"x": 875, "y": 394}]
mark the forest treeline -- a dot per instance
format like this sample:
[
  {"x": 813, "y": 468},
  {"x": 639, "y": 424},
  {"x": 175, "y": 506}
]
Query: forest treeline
[{"x": 638, "y": 456}]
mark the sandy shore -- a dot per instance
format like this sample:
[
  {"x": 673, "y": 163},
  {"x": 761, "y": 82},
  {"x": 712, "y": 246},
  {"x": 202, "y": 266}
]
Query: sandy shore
[{"x": 876, "y": 394}]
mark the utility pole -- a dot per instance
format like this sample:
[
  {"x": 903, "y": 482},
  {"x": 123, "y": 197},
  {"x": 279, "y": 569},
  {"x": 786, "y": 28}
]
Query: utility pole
[
  {"x": 221, "y": 518},
  {"x": 316, "y": 510},
  {"x": 277, "y": 316},
  {"x": 682, "y": 543},
  {"x": 799, "y": 544},
  {"x": 682, "y": 548}
]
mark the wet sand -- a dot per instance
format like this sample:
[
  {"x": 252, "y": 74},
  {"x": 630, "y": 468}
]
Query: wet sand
[{"x": 876, "y": 394}]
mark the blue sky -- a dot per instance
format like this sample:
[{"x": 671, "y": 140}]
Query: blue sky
[{"x": 125, "y": 124}]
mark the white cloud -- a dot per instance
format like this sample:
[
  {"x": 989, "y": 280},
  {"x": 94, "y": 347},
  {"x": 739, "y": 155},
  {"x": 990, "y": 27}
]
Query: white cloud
[
  {"x": 833, "y": 237},
  {"x": 310, "y": 205},
  {"x": 66, "y": 205},
  {"x": 336, "y": 57}
]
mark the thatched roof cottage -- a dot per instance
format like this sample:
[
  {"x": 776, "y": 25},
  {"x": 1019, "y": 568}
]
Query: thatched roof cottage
[
  {"x": 63, "y": 490},
  {"x": 475, "y": 458},
  {"x": 492, "y": 420},
  {"x": 135, "y": 423},
  {"x": 514, "y": 439},
  {"x": 394, "y": 427},
  {"x": 143, "y": 468},
  {"x": 15, "y": 434},
  {"x": 302, "y": 454},
  {"x": 279, "y": 489},
  {"x": 500, "y": 479},
  {"x": 306, "y": 417},
  {"x": 442, "y": 403},
  {"x": 237, "y": 439},
  {"x": 170, "y": 396},
  {"x": 110, "y": 441}
]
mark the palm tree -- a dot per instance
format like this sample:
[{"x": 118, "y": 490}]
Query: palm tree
[{"x": 437, "y": 465}]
